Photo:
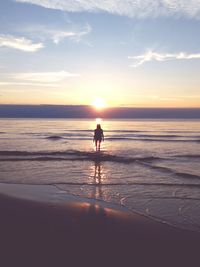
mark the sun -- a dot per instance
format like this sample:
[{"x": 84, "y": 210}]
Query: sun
[{"x": 99, "y": 103}]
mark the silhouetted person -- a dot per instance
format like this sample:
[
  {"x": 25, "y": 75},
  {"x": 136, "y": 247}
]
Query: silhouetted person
[{"x": 98, "y": 137}]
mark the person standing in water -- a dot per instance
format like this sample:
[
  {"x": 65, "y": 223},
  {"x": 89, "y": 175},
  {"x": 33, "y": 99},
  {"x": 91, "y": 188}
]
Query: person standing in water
[{"x": 98, "y": 137}]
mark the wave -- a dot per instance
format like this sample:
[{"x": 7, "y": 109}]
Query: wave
[
  {"x": 172, "y": 132},
  {"x": 197, "y": 156},
  {"x": 129, "y": 183},
  {"x": 171, "y": 171},
  {"x": 70, "y": 155},
  {"x": 91, "y": 131},
  {"x": 57, "y": 138},
  {"x": 118, "y": 138},
  {"x": 76, "y": 155},
  {"x": 54, "y": 137},
  {"x": 151, "y": 139},
  {"x": 112, "y": 139},
  {"x": 86, "y": 155},
  {"x": 61, "y": 184},
  {"x": 155, "y": 135},
  {"x": 114, "y": 135}
]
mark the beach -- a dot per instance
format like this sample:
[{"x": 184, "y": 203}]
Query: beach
[
  {"x": 81, "y": 233},
  {"x": 99, "y": 133},
  {"x": 148, "y": 166},
  {"x": 135, "y": 203}
]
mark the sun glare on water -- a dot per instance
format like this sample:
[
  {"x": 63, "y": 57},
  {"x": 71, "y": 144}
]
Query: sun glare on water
[
  {"x": 99, "y": 103},
  {"x": 98, "y": 120}
]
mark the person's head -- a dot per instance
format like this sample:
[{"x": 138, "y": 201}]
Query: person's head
[{"x": 98, "y": 126}]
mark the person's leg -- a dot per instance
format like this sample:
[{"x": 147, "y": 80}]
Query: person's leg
[
  {"x": 99, "y": 144},
  {"x": 96, "y": 144}
]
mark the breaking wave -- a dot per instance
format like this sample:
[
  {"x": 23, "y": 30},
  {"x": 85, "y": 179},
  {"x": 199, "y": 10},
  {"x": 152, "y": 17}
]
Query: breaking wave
[
  {"x": 151, "y": 139},
  {"x": 73, "y": 155},
  {"x": 54, "y": 137}
]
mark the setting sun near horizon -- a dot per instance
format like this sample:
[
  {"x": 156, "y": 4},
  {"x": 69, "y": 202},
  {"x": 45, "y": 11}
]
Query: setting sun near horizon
[{"x": 99, "y": 103}]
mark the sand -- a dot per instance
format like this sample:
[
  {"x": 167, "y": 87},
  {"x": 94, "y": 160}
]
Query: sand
[{"x": 82, "y": 233}]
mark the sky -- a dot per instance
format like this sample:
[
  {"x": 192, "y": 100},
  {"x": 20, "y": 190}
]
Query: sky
[{"x": 137, "y": 53}]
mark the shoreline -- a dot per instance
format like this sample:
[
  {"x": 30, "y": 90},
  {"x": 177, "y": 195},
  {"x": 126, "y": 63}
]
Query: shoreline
[
  {"x": 81, "y": 233},
  {"x": 50, "y": 194}
]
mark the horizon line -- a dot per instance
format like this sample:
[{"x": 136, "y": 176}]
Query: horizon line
[{"x": 105, "y": 108}]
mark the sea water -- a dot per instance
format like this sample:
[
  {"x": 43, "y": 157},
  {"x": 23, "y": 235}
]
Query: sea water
[{"x": 149, "y": 166}]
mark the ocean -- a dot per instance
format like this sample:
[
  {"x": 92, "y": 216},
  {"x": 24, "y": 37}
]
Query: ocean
[{"x": 151, "y": 167}]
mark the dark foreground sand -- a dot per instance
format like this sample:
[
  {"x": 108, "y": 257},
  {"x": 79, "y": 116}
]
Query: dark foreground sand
[{"x": 84, "y": 234}]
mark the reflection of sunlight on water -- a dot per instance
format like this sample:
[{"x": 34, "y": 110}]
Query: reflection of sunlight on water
[
  {"x": 95, "y": 122},
  {"x": 98, "y": 120},
  {"x": 98, "y": 173},
  {"x": 91, "y": 209},
  {"x": 99, "y": 178}
]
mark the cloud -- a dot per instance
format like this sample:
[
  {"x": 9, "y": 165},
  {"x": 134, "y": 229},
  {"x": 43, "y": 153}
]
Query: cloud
[
  {"x": 178, "y": 98},
  {"x": 19, "y": 43},
  {"x": 58, "y": 36},
  {"x": 44, "y": 77},
  {"x": 26, "y": 84},
  {"x": 75, "y": 33},
  {"x": 150, "y": 55},
  {"x": 130, "y": 8}
]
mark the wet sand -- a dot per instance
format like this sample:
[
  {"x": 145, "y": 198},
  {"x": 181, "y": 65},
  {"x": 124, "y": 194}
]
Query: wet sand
[{"x": 79, "y": 233}]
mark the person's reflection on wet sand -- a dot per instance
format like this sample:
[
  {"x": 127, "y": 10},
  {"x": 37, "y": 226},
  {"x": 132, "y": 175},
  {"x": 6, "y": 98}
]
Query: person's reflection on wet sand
[
  {"x": 96, "y": 209},
  {"x": 98, "y": 179}
]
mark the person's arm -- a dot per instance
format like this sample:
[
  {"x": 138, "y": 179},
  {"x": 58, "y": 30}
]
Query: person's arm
[
  {"x": 102, "y": 136},
  {"x": 94, "y": 136}
]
